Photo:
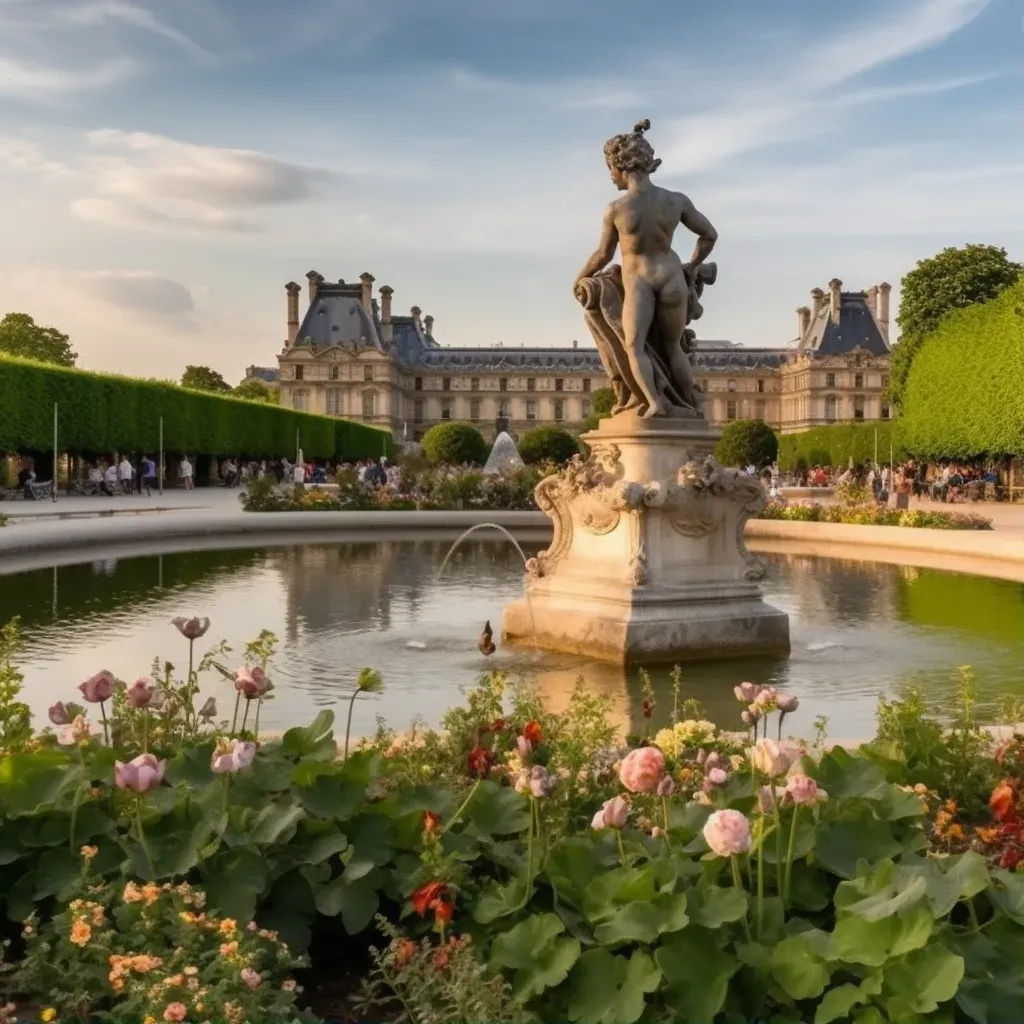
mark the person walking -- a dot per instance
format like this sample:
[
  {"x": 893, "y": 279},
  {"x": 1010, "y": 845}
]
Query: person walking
[
  {"x": 185, "y": 472},
  {"x": 124, "y": 475},
  {"x": 148, "y": 475}
]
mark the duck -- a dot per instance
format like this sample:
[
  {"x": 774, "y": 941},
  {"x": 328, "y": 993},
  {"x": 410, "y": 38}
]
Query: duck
[{"x": 486, "y": 642}]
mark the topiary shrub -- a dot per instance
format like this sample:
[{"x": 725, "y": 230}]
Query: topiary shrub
[
  {"x": 454, "y": 444},
  {"x": 747, "y": 442},
  {"x": 547, "y": 444}
]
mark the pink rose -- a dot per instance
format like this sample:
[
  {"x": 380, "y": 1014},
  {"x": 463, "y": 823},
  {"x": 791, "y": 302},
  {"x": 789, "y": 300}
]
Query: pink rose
[
  {"x": 191, "y": 629},
  {"x": 613, "y": 814},
  {"x": 251, "y": 682},
  {"x": 802, "y": 789},
  {"x": 717, "y": 777},
  {"x": 745, "y": 693},
  {"x": 641, "y": 770},
  {"x": 175, "y": 1012},
  {"x": 770, "y": 758},
  {"x": 59, "y": 713},
  {"x": 98, "y": 688},
  {"x": 140, "y": 775},
  {"x": 231, "y": 757},
  {"x": 524, "y": 746},
  {"x": 250, "y": 977},
  {"x": 727, "y": 833},
  {"x": 140, "y": 693}
]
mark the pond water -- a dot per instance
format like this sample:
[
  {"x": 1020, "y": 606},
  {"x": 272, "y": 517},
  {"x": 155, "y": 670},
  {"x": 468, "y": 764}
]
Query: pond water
[{"x": 858, "y": 629}]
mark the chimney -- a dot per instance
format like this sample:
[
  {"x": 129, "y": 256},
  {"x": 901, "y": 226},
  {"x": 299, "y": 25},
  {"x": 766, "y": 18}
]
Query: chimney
[
  {"x": 803, "y": 321},
  {"x": 366, "y": 279},
  {"x": 872, "y": 298},
  {"x": 293, "y": 290},
  {"x": 387, "y": 332},
  {"x": 315, "y": 280},
  {"x": 416, "y": 313},
  {"x": 883, "y": 307},
  {"x": 428, "y": 326},
  {"x": 817, "y": 301},
  {"x": 834, "y": 298}
]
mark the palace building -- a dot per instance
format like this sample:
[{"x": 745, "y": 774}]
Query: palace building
[{"x": 349, "y": 355}]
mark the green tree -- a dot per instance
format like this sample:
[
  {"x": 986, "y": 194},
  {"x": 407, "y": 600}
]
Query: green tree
[
  {"x": 747, "y": 442},
  {"x": 454, "y": 444},
  {"x": 601, "y": 402},
  {"x": 21, "y": 336},
  {"x": 547, "y": 444},
  {"x": 255, "y": 390},
  {"x": 202, "y": 378},
  {"x": 953, "y": 279}
]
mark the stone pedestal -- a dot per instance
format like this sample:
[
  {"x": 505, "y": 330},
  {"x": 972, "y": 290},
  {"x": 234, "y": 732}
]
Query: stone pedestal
[{"x": 648, "y": 561}]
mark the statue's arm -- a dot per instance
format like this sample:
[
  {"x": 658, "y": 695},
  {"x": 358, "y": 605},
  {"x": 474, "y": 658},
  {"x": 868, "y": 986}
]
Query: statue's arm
[
  {"x": 705, "y": 231},
  {"x": 602, "y": 255}
]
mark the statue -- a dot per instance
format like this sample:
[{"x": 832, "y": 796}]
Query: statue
[{"x": 638, "y": 313}]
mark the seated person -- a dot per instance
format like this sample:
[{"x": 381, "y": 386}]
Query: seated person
[{"x": 110, "y": 485}]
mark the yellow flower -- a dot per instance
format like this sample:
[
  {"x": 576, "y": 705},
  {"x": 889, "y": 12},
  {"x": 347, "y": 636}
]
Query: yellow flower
[
  {"x": 190, "y": 971},
  {"x": 81, "y": 933},
  {"x": 227, "y": 926},
  {"x": 149, "y": 1020},
  {"x": 47, "y": 1015},
  {"x": 88, "y": 852}
]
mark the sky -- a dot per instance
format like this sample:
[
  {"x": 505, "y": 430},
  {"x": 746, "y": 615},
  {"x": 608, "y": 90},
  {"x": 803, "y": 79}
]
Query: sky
[{"x": 166, "y": 166}]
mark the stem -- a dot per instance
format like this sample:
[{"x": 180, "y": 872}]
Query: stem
[
  {"x": 789, "y": 855},
  {"x": 974, "y": 915},
  {"x": 529, "y": 863},
  {"x": 142, "y": 838},
  {"x": 465, "y": 803},
  {"x": 245, "y": 717},
  {"x": 739, "y": 888},
  {"x": 145, "y": 730},
  {"x": 78, "y": 794},
  {"x": 256, "y": 726},
  {"x": 760, "y": 881},
  {"x": 106, "y": 730},
  {"x": 348, "y": 724},
  {"x": 234, "y": 720},
  {"x": 664, "y": 811},
  {"x": 782, "y": 715},
  {"x": 778, "y": 844},
  {"x": 622, "y": 851}
]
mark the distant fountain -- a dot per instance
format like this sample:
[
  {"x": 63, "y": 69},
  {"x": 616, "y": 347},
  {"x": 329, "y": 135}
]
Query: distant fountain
[{"x": 504, "y": 457}]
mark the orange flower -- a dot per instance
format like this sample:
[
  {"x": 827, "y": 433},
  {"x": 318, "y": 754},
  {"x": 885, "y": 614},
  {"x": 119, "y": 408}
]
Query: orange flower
[
  {"x": 227, "y": 927},
  {"x": 405, "y": 950},
  {"x": 1002, "y": 801},
  {"x": 88, "y": 852},
  {"x": 430, "y": 821},
  {"x": 175, "y": 1012},
  {"x": 987, "y": 835},
  {"x": 228, "y": 948},
  {"x": 132, "y": 893},
  {"x": 531, "y": 731},
  {"x": 954, "y": 832},
  {"x": 81, "y": 933},
  {"x": 435, "y": 896}
]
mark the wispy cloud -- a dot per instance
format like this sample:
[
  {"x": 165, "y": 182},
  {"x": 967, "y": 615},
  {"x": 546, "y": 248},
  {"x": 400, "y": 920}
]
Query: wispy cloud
[
  {"x": 89, "y": 13},
  {"x": 41, "y": 82}
]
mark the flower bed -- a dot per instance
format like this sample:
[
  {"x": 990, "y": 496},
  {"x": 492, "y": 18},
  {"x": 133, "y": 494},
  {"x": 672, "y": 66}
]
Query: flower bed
[
  {"x": 519, "y": 865},
  {"x": 875, "y": 515}
]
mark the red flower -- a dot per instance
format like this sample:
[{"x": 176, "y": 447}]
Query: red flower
[
  {"x": 435, "y": 896},
  {"x": 1010, "y": 859},
  {"x": 430, "y": 821},
  {"x": 405, "y": 950},
  {"x": 498, "y": 725},
  {"x": 647, "y": 709},
  {"x": 1002, "y": 800},
  {"x": 479, "y": 762},
  {"x": 531, "y": 732}
]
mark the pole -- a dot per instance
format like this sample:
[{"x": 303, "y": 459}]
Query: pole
[
  {"x": 298, "y": 442},
  {"x": 876, "y": 446},
  {"x": 53, "y": 488},
  {"x": 160, "y": 459},
  {"x": 159, "y": 570},
  {"x": 53, "y": 608}
]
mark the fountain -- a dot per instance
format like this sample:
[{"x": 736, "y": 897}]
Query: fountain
[
  {"x": 504, "y": 457},
  {"x": 648, "y": 561}
]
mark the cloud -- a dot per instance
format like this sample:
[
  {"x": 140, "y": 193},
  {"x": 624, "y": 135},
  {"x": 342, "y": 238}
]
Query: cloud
[
  {"x": 92, "y": 13},
  {"x": 575, "y": 94},
  {"x": 141, "y": 294},
  {"x": 27, "y": 156},
  {"x": 145, "y": 180},
  {"x": 39, "y": 81}
]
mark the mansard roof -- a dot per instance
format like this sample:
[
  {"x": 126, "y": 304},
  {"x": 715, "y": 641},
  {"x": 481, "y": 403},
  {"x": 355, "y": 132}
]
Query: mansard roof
[
  {"x": 857, "y": 328},
  {"x": 337, "y": 317},
  {"x": 737, "y": 357}
]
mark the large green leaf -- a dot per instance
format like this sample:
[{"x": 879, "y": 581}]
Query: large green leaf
[
  {"x": 537, "y": 952},
  {"x": 713, "y": 906},
  {"x": 992, "y": 989},
  {"x": 613, "y": 888},
  {"x": 314, "y": 741},
  {"x": 643, "y": 921},
  {"x": 845, "y": 775},
  {"x": 609, "y": 989},
  {"x": 272, "y": 823},
  {"x": 880, "y": 891},
  {"x": 856, "y": 940},
  {"x": 838, "y": 1002},
  {"x": 191, "y": 766},
  {"x": 841, "y": 844},
  {"x": 234, "y": 880},
  {"x": 1007, "y": 893},
  {"x": 923, "y": 980},
  {"x": 799, "y": 969},
  {"x": 497, "y": 810},
  {"x": 332, "y": 796},
  {"x": 501, "y": 900},
  {"x": 697, "y": 972},
  {"x": 31, "y": 782},
  {"x": 570, "y": 868}
]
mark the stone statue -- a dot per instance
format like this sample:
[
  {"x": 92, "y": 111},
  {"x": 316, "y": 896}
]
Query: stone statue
[{"x": 638, "y": 314}]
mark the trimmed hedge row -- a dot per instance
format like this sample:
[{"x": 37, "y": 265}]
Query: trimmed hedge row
[
  {"x": 965, "y": 394},
  {"x": 101, "y": 412},
  {"x": 833, "y": 446}
]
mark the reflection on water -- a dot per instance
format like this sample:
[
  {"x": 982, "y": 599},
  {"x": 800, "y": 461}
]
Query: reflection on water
[{"x": 858, "y": 629}]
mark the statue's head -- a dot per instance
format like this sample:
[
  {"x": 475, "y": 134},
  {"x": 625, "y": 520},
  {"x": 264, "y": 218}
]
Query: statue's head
[{"x": 629, "y": 154}]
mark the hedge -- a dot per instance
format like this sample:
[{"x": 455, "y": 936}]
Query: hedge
[
  {"x": 964, "y": 397},
  {"x": 833, "y": 445},
  {"x": 99, "y": 412}
]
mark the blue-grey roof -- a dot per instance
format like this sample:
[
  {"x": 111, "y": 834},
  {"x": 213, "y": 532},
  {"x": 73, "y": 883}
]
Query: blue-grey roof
[
  {"x": 711, "y": 359},
  {"x": 496, "y": 359},
  {"x": 337, "y": 317},
  {"x": 264, "y": 373},
  {"x": 857, "y": 328}
]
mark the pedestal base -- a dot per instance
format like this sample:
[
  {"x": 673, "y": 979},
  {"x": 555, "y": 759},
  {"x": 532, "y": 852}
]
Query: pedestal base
[{"x": 648, "y": 562}]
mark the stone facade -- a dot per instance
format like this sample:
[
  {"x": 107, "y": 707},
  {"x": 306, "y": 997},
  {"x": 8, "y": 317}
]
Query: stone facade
[{"x": 350, "y": 356}]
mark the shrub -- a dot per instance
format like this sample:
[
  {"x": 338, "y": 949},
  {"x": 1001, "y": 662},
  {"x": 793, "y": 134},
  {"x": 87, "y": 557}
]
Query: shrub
[
  {"x": 547, "y": 444},
  {"x": 747, "y": 442},
  {"x": 874, "y": 515},
  {"x": 836, "y": 445},
  {"x": 455, "y": 444}
]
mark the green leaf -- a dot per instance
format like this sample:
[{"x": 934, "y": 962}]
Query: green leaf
[
  {"x": 642, "y": 921},
  {"x": 798, "y": 968},
  {"x": 716, "y": 906},
  {"x": 332, "y": 796},
  {"x": 923, "y": 980},
  {"x": 992, "y": 989},
  {"x": 31, "y": 782},
  {"x": 497, "y": 810},
  {"x": 838, "y": 1002},
  {"x": 58, "y": 873},
  {"x": 191, "y": 766},
  {"x": 315, "y": 741},
  {"x": 273, "y": 823},
  {"x": 609, "y": 989},
  {"x": 616, "y": 887},
  {"x": 810, "y": 888},
  {"x": 500, "y": 900},
  {"x": 871, "y": 943},
  {"x": 845, "y": 775},
  {"x": 893, "y": 893},
  {"x": 841, "y": 844},
  {"x": 233, "y": 880},
  {"x": 1007, "y": 893},
  {"x": 535, "y": 952},
  {"x": 570, "y": 868},
  {"x": 697, "y": 973}
]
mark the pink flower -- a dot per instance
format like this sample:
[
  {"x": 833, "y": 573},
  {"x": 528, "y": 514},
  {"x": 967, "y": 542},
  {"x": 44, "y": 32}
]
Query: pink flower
[
  {"x": 251, "y": 682},
  {"x": 768, "y": 797},
  {"x": 727, "y": 833},
  {"x": 717, "y": 777},
  {"x": 140, "y": 693},
  {"x": 524, "y": 746},
  {"x": 641, "y": 770},
  {"x": 250, "y": 977},
  {"x": 802, "y": 789},
  {"x": 657, "y": 832},
  {"x": 667, "y": 786},
  {"x": 745, "y": 693},
  {"x": 58, "y": 713},
  {"x": 230, "y": 758},
  {"x": 613, "y": 814},
  {"x": 770, "y": 758},
  {"x": 140, "y": 775},
  {"x": 766, "y": 698},
  {"x": 191, "y": 629},
  {"x": 751, "y": 716},
  {"x": 175, "y": 1012},
  {"x": 98, "y": 688},
  {"x": 786, "y": 703}
]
